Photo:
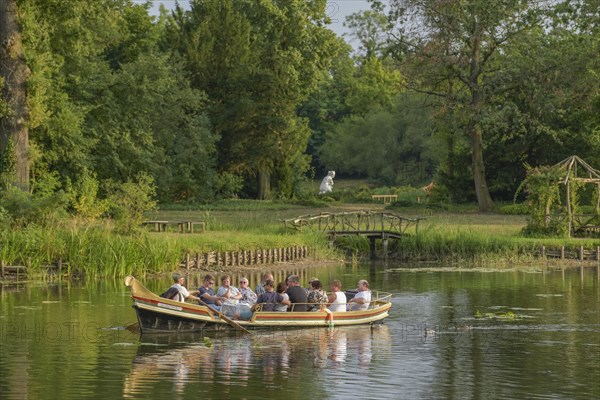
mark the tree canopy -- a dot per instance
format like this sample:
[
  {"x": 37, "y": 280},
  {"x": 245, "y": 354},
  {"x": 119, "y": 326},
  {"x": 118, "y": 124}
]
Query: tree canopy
[{"x": 251, "y": 98}]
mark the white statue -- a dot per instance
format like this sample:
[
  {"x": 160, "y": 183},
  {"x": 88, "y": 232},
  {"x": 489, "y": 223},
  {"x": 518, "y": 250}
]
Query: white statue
[{"x": 327, "y": 183}]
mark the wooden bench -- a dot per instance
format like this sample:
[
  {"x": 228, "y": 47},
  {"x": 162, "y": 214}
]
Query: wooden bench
[
  {"x": 387, "y": 198},
  {"x": 159, "y": 226},
  {"x": 182, "y": 226},
  {"x": 188, "y": 226}
]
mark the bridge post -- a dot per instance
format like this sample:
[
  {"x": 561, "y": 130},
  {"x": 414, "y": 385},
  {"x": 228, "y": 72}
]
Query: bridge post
[
  {"x": 372, "y": 246},
  {"x": 385, "y": 245}
]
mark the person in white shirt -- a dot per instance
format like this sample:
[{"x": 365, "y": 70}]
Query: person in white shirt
[
  {"x": 362, "y": 299},
  {"x": 228, "y": 292},
  {"x": 183, "y": 292},
  {"x": 337, "y": 299}
]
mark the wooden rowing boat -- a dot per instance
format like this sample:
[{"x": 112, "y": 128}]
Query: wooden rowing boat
[{"x": 156, "y": 314}]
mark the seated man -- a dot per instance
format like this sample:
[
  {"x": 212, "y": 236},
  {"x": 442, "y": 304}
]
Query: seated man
[
  {"x": 297, "y": 294},
  {"x": 207, "y": 294},
  {"x": 362, "y": 299},
  {"x": 228, "y": 292},
  {"x": 178, "y": 292},
  {"x": 269, "y": 298},
  {"x": 260, "y": 288}
]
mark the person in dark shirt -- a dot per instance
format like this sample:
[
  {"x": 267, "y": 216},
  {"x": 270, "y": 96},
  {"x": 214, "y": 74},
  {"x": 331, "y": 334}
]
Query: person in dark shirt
[
  {"x": 260, "y": 288},
  {"x": 297, "y": 294},
  {"x": 207, "y": 294},
  {"x": 269, "y": 298}
]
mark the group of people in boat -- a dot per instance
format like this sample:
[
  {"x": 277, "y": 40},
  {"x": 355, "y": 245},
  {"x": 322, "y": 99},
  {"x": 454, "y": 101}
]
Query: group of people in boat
[{"x": 267, "y": 296}]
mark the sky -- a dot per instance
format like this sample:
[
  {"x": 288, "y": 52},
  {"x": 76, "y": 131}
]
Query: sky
[{"x": 337, "y": 10}]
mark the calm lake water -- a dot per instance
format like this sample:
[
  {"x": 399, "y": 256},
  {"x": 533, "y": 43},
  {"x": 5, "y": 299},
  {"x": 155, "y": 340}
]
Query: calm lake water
[{"x": 451, "y": 334}]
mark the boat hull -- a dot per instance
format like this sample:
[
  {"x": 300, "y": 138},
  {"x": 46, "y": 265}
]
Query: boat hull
[
  {"x": 158, "y": 315},
  {"x": 154, "y": 322}
]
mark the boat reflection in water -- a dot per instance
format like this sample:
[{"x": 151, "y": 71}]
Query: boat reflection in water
[{"x": 265, "y": 357}]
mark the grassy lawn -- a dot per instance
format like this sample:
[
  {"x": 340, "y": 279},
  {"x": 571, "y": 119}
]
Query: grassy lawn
[
  {"x": 455, "y": 236},
  {"x": 236, "y": 224},
  {"x": 238, "y": 218},
  {"x": 494, "y": 224}
]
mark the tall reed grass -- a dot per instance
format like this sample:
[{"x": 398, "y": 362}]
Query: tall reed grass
[
  {"x": 96, "y": 251},
  {"x": 93, "y": 251},
  {"x": 454, "y": 244}
]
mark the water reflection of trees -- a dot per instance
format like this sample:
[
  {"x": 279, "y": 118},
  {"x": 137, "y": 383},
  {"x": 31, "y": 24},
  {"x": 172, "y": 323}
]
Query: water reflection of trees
[{"x": 260, "y": 360}]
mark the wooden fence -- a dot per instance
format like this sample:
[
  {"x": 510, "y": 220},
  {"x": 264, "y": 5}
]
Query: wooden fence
[
  {"x": 564, "y": 253},
  {"x": 244, "y": 257},
  {"x": 201, "y": 260}
]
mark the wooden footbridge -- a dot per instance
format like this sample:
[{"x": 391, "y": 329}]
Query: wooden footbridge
[{"x": 373, "y": 225}]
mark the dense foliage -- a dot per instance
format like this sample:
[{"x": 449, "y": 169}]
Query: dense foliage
[{"x": 251, "y": 98}]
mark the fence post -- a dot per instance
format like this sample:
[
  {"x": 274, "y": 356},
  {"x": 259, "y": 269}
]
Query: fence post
[
  {"x": 580, "y": 253},
  {"x": 562, "y": 252}
]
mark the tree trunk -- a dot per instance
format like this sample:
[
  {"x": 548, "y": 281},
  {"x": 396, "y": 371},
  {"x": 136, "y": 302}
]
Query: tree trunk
[
  {"x": 477, "y": 99},
  {"x": 450, "y": 163},
  {"x": 569, "y": 211},
  {"x": 264, "y": 185},
  {"x": 14, "y": 72},
  {"x": 483, "y": 195}
]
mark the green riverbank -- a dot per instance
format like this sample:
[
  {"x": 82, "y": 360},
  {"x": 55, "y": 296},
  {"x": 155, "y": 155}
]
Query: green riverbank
[{"x": 97, "y": 251}]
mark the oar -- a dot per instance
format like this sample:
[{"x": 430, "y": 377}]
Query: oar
[
  {"x": 134, "y": 328},
  {"x": 226, "y": 319}
]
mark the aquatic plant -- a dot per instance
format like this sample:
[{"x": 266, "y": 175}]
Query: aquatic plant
[{"x": 507, "y": 316}]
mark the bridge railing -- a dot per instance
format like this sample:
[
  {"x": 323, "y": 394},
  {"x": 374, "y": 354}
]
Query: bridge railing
[{"x": 355, "y": 221}]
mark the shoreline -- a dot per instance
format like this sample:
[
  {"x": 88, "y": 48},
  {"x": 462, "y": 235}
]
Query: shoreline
[{"x": 538, "y": 265}]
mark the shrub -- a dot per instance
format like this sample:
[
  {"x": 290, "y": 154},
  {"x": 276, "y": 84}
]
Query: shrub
[
  {"x": 228, "y": 185},
  {"x": 22, "y": 208},
  {"x": 514, "y": 209},
  {"x": 83, "y": 197},
  {"x": 129, "y": 201}
]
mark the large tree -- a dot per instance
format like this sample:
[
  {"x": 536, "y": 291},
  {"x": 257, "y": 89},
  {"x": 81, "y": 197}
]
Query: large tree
[
  {"x": 257, "y": 61},
  {"x": 14, "y": 132},
  {"x": 455, "y": 45},
  {"x": 549, "y": 112},
  {"x": 103, "y": 97}
]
